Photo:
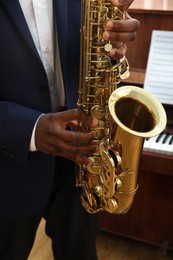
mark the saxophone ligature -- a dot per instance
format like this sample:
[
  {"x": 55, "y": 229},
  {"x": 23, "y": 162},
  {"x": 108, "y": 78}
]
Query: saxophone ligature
[{"x": 126, "y": 116}]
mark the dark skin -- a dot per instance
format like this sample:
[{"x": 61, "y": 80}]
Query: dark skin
[
  {"x": 119, "y": 32},
  {"x": 51, "y": 135}
]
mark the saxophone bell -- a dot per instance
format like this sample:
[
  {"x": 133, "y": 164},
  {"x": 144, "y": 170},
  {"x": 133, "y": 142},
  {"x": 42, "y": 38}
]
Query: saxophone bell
[{"x": 137, "y": 115}]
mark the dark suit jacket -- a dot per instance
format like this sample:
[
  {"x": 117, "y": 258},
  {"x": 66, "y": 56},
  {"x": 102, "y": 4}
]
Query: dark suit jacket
[{"x": 25, "y": 177}]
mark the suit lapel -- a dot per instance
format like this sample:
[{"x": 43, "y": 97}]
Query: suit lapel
[{"x": 14, "y": 10}]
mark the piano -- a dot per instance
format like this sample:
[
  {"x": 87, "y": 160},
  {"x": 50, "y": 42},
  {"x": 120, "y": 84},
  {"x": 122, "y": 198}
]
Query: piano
[
  {"x": 160, "y": 144},
  {"x": 150, "y": 218}
]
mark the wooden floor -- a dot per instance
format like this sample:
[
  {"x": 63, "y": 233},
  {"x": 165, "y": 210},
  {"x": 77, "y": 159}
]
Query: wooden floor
[{"x": 109, "y": 247}]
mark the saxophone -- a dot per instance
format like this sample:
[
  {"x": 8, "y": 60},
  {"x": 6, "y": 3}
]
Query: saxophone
[{"x": 126, "y": 115}]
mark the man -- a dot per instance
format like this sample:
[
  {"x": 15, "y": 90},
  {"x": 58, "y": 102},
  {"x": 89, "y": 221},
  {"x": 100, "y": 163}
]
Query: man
[{"x": 39, "y": 71}]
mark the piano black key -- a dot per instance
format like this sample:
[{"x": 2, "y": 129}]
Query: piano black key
[
  {"x": 167, "y": 135},
  {"x": 171, "y": 141},
  {"x": 159, "y": 137}
]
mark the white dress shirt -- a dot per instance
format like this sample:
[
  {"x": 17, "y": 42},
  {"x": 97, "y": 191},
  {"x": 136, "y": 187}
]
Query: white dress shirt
[
  {"x": 40, "y": 20},
  {"x": 39, "y": 17}
]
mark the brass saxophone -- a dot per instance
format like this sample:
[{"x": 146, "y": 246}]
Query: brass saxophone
[{"x": 126, "y": 116}]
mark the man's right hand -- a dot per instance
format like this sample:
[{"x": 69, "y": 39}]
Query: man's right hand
[{"x": 53, "y": 137}]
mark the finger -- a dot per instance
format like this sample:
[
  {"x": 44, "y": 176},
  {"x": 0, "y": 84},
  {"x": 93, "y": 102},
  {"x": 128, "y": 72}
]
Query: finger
[
  {"x": 75, "y": 153},
  {"x": 115, "y": 37},
  {"x": 75, "y": 124},
  {"x": 118, "y": 53},
  {"x": 84, "y": 160},
  {"x": 75, "y": 114},
  {"x": 82, "y": 157},
  {"x": 128, "y": 25},
  {"x": 77, "y": 137}
]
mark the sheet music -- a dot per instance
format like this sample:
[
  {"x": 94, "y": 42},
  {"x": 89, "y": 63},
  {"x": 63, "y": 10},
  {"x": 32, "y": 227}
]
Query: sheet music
[{"x": 159, "y": 72}]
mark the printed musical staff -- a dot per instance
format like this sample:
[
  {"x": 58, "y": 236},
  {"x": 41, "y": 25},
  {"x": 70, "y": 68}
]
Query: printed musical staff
[{"x": 159, "y": 72}]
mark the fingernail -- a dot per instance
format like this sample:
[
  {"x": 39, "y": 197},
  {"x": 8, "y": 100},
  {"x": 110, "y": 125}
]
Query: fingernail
[
  {"x": 89, "y": 164},
  {"x": 94, "y": 134},
  {"x": 95, "y": 121},
  {"x": 106, "y": 35},
  {"x": 96, "y": 149},
  {"x": 109, "y": 25},
  {"x": 90, "y": 161}
]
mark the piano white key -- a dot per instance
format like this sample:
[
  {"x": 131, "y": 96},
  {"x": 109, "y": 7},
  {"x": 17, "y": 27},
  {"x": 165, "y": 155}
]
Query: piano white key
[
  {"x": 154, "y": 146},
  {"x": 158, "y": 146},
  {"x": 149, "y": 143},
  {"x": 146, "y": 142},
  {"x": 169, "y": 146}
]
